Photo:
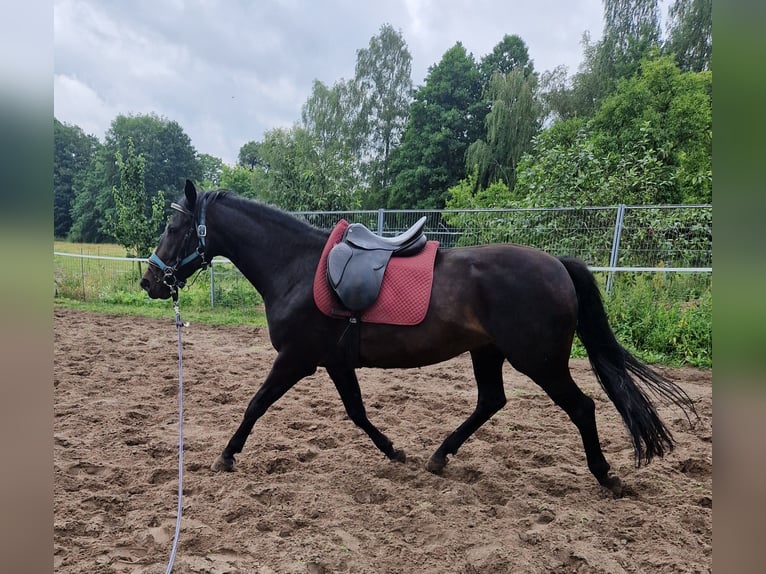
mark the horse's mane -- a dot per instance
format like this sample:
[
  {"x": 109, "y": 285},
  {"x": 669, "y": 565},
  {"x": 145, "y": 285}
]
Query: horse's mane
[{"x": 258, "y": 209}]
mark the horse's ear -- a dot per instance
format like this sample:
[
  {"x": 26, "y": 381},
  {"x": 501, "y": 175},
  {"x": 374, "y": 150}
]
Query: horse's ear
[{"x": 191, "y": 194}]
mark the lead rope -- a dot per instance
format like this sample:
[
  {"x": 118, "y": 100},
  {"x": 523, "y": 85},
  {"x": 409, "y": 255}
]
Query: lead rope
[{"x": 179, "y": 324}]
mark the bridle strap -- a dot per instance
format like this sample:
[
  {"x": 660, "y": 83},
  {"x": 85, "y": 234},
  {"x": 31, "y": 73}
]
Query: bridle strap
[
  {"x": 169, "y": 271},
  {"x": 181, "y": 208}
]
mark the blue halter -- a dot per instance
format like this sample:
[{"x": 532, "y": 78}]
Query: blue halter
[{"x": 169, "y": 272}]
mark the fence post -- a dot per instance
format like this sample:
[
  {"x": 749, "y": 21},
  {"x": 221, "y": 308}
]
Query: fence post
[
  {"x": 380, "y": 221},
  {"x": 82, "y": 274},
  {"x": 615, "y": 245},
  {"x": 212, "y": 285}
]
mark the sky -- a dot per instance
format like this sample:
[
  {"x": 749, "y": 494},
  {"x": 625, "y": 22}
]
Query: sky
[{"x": 229, "y": 71}]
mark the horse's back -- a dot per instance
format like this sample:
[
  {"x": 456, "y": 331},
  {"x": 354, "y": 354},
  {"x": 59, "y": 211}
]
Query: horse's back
[{"x": 505, "y": 269}]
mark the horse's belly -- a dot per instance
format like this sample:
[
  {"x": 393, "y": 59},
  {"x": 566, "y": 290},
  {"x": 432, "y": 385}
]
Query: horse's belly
[{"x": 430, "y": 342}]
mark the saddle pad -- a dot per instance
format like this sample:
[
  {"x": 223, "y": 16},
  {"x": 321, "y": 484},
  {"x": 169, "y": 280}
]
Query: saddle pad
[{"x": 404, "y": 293}]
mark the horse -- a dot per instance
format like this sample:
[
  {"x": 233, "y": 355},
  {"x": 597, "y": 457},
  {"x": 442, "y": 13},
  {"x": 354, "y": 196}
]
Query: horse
[{"x": 498, "y": 302}]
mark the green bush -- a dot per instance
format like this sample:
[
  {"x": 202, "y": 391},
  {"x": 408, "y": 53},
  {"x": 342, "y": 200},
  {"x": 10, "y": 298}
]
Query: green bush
[{"x": 664, "y": 317}]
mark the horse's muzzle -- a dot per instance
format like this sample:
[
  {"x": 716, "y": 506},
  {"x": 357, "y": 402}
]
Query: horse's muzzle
[{"x": 153, "y": 288}]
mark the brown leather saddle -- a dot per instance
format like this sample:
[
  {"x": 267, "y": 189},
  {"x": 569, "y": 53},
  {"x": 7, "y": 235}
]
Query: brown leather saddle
[{"x": 356, "y": 265}]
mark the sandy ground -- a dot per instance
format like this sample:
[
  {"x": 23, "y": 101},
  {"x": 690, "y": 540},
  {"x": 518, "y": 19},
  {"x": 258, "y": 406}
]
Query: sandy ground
[{"x": 311, "y": 494}]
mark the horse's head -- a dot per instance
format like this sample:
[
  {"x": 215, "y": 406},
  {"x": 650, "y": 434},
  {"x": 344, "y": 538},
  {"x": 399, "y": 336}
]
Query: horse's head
[{"x": 181, "y": 250}]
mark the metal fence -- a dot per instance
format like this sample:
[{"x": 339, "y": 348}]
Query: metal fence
[{"x": 612, "y": 240}]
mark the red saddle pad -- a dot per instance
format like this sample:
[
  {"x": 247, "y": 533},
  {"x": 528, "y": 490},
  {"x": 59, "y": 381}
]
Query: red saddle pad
[{"x": 404, "y": 293}]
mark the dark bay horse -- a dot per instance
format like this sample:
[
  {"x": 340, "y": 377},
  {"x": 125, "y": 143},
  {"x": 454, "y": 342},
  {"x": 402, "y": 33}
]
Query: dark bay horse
[{"x": 497, "y": 302}]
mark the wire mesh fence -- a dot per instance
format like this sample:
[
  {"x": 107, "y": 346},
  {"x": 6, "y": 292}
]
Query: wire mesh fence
[{"x": 669, "y": 239}]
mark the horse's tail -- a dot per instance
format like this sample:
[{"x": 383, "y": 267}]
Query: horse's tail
[{"x": 614, "y": 365}]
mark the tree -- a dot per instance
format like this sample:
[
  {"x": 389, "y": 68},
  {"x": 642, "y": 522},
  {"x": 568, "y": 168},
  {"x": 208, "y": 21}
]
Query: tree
[
  {"x": 690, "y": 34},
  {"x": 248, "y": 155},
  {"x": 169, "y": 159},
  {"x": 137, "y": 218},
  {"x": 467, "y": 194},
  {"x": 631, "y": 31},
  {"x": 92, "y": 200},
  {"x": 508, "y": 55},
  {"x": 442, "y": 125},
  {"x": 512, "y": 122},
  {"x": 211, "y": 168},
  {"x": 74, "y": 155},
  {"x": 293, "y": 176},
  {"x": 238, "y": 178},
  {"x": 670, "y": 112},
  {"x": 329, "y": 148},
  {"x": 167, "y": 150},
  {"x": 649, "y": 143},
  {"x": 384, "y": 82}
]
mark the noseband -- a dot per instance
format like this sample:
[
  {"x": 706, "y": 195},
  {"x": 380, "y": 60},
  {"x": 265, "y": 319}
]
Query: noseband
[{"x": 169, "y": 271}]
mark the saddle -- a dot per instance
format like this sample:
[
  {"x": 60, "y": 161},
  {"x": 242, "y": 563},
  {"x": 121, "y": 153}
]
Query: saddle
[{"x": 356, "y": 265}]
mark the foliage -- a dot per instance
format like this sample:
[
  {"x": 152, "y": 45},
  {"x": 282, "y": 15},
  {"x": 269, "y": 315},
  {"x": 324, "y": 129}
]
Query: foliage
[
  {"x": 631, "y": 31},
  {"x": 514, "y": 119},
  {"x": 465, "y": 195},
  {"x": 666, "y": 316},
  {"x": 656, "y": 237},
  {"x": 169, "y": 155},
  {"x": 508, "y": 55},
  {"x": 294, "y": 177},
  {"x": 629, "y": 127},
  {"x": 442, "y": 125},
  {"x": 169, "y": 159},
  {"x": 92, "y": 199},
  {"x": 690, "y": 34},
  {"x": 237, "y": 178},
  {"x": 330, "y": 147},
  {"x": 338, "y": 157},
  {"x": 137, "y": 218},
  {"x": 478, "y": 227},
  {"x": 649, "y": 143},
  {"x": 383, "y": 80},
  {"x": 670, "y": 113},
  {"x": 211, "y": 169},
  {"x": 74, "y": 154},
  {"x": 249, "y": 155}
]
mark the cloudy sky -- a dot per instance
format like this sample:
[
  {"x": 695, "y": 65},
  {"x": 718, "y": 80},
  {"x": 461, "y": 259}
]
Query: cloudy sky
[{"x": 227, "y": 71}]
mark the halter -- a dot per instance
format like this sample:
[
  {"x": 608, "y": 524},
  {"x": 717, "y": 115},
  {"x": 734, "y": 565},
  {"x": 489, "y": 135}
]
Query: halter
[{"x": 169, "y": 271}]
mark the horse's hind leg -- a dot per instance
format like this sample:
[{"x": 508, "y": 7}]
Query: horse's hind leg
[
  {"x": 348, "y": 388},
  {"x": 488, "y": 370},
  {"x": 580, "y": 408}
]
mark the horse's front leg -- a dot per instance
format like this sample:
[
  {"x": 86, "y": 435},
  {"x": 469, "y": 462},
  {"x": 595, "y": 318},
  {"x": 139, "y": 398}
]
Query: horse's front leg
[
  {"x": 287, "y": 370},
  {"x": 348, "y": 387}
]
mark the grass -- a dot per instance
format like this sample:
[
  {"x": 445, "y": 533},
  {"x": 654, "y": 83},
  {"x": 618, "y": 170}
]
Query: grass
[
  {"x": 103, "y": 249},
  {"x": 255, "y": 317}
]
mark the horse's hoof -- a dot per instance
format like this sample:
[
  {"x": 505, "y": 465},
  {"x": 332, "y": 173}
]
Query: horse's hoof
[
  {"x": 614, "y": 485},
  {"x": 222, "y": 464},
  {"x": 436, "y": 465},
  {"x": 399, "y": 456}
]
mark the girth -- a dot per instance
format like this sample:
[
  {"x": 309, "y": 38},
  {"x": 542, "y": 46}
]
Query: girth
[{"x": 356, "y": 265}]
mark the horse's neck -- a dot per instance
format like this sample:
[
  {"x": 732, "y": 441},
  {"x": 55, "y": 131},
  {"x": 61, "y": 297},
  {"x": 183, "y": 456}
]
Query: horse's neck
[{"x": 272, "y": 252}]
